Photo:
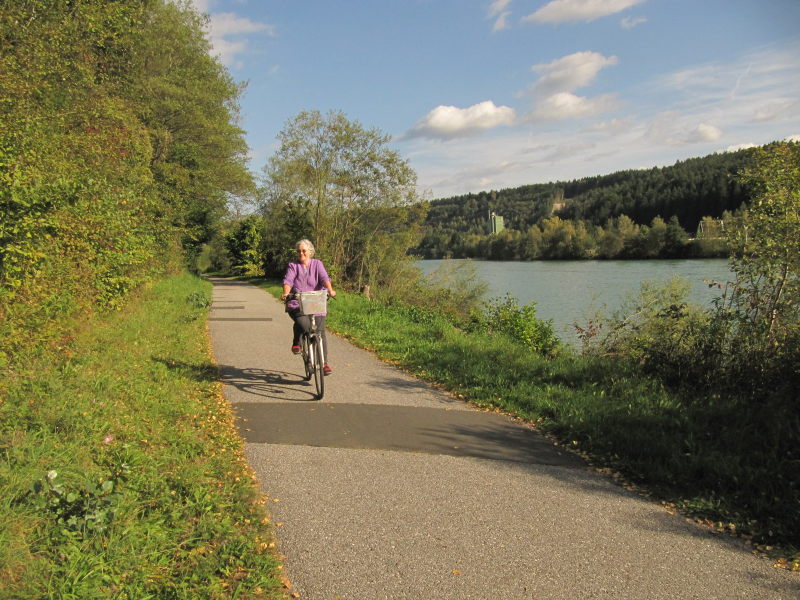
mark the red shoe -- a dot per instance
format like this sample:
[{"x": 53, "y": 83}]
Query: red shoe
[
  {"x": 326, "y": 370},
  {"x": 295, "y": 349}
]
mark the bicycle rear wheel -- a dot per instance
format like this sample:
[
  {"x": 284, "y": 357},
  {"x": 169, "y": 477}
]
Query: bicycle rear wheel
[
  {"x": 319, "y": 362},
  {"x": 308, "y": 359}
]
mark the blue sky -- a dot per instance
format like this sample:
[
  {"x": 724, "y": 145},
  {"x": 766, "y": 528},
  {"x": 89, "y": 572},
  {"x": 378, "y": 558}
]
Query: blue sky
[{"x": 482, "y": 95}]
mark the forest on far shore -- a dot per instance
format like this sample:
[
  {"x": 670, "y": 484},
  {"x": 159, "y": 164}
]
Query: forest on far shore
[{"x": 679, "y": 211}]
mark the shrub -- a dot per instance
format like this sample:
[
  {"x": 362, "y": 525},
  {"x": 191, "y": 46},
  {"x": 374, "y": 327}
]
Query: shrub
[{"x": 520, "y": 323}]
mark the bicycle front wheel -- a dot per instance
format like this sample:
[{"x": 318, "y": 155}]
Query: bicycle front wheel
[
  {"x": 308, "y": 359},
  {"x": 319, "y": 362}
]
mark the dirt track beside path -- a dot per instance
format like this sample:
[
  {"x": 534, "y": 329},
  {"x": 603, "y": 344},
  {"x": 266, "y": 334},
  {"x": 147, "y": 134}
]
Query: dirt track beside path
[{"x": 390, "y": 489}]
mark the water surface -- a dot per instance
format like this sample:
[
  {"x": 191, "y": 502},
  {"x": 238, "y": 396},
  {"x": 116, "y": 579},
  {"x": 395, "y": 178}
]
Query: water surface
[{"x": 571, "y": 291}]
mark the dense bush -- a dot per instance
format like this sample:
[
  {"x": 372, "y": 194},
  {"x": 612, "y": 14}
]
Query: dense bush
[
  {"x": 736, "y": 366},
  {"x": 115, "y": 150},
  {"x": 519, "y": 323}
]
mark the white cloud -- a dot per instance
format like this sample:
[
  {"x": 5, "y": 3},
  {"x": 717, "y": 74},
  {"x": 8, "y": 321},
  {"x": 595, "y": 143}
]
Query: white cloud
[
  {"x": 501, "y": 22},
  {"x": 738, "y": 97},
  {"x": 761, "y": 72},
  {"x": 487, "y": 175},
  {"x": 775, "y": 110},
  {"x": 567, "y": 151},
  {"x": 673, "y": 128},
  {"x": 560, "y": 78},
  {"x": 201, "y": 6},
  {"x": 227, "y": 51},
  {"x": 451, "y": 121},
  {"x": 224, "y": 26},
  {"x": 571, "y": 72},
  {"x": 631, "y": 22},
  {"x": 693, "y": 112},
  {"x": 704, "y": 133},
  {"x": 497, "y": 10},
  {"x": 792, "y": 138},
  {"x": 560, "y": 11},
  {"x": 738, "y": 147},
  {"x": 564, "y": 105},
  {"x": 611, "y": 127}
]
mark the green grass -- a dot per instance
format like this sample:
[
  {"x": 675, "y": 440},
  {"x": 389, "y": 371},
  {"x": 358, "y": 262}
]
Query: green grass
[
  {"x": 121, "y": 471},
  {"x": 719, "y": 466}
]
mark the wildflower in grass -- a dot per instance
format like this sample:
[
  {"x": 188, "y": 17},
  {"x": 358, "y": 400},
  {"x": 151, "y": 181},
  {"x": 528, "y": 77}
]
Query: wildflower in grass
[{"x": 108, "y": 439}]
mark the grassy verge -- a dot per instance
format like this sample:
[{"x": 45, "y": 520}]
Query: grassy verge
[
  {"x": 122, "y": 474},
  {"x": 709, "y": 464}
]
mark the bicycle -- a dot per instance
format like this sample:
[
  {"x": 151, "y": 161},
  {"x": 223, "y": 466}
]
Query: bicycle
[{"x": 312, "y": 350}]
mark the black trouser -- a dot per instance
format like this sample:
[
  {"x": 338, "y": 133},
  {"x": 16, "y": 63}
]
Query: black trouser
[{"x": 302, "y": 323}]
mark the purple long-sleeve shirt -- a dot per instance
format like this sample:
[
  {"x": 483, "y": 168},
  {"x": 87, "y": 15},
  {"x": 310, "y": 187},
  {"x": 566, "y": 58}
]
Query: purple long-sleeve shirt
[{"x": 305, "y": 280}]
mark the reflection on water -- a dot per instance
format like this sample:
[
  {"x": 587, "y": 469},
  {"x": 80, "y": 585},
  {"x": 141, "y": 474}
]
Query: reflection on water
[{"x": 570, "y": 291}]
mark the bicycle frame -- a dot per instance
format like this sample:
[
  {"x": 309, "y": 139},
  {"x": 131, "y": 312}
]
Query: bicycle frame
[{"x": 312, "y": 352}]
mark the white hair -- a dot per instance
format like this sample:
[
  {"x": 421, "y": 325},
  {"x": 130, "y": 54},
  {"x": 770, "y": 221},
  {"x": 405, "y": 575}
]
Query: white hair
[{"x": 307, "y": 244}]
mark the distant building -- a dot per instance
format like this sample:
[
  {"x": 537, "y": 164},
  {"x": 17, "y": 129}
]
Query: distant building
[{"x": 497, "y": 223}]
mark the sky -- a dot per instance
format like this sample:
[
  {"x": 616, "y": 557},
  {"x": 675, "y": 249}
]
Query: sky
[{"x": 486, "y": 95}]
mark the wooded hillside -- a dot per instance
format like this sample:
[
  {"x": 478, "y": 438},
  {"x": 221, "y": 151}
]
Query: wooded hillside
[{"x": 685, "y": 192}]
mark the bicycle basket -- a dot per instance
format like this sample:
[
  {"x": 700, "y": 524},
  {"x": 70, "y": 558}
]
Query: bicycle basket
[{"x": 313, "y": 303}]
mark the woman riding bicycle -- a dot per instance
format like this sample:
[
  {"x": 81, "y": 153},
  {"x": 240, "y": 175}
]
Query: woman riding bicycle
[{"x": 306, "y": 274}]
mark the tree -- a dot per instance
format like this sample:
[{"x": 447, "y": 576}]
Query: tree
[
  {"x": 766, "y": 244},
  {"x": 243, "y": 243},
  {"x": 531, "y": 243},
  {"x": 653, "y": 238},
  {"x": 355, "y": 198},
  {"x": 610, "y": 242},
  {"x": 114, "y": 145},
  {"x": 675, "y": 239},
  {"x": 192, "y": 111},
  {"x": 628, "y": 232}
]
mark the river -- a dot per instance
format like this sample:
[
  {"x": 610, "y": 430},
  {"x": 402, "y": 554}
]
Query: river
[{"x": 569, "y": 291}]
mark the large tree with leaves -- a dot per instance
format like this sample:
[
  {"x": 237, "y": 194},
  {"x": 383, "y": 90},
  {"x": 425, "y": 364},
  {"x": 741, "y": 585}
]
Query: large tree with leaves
[
  {"x": 338, "y": 184},
  {"x": 766, "y": 245},
  {"x": 118, "y": 139},
  {"x": 189, "y": 103}
]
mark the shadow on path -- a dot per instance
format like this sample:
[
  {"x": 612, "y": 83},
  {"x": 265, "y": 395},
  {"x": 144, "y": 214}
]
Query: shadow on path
[
  {"x": 400, "y": 428},
  {"x": 277, "y": 385}
]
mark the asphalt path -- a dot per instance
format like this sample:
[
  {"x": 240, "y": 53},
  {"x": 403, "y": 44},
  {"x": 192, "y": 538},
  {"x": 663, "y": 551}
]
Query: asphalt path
[{"x": 390, "y": 489}]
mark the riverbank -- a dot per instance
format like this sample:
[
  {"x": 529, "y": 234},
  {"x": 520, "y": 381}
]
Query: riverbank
[
  {"x": 622, "y": 421},
  {"x": 122, "y": 473}
]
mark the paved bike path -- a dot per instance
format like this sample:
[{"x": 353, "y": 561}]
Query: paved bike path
[{"x": 390, "y": 489}]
